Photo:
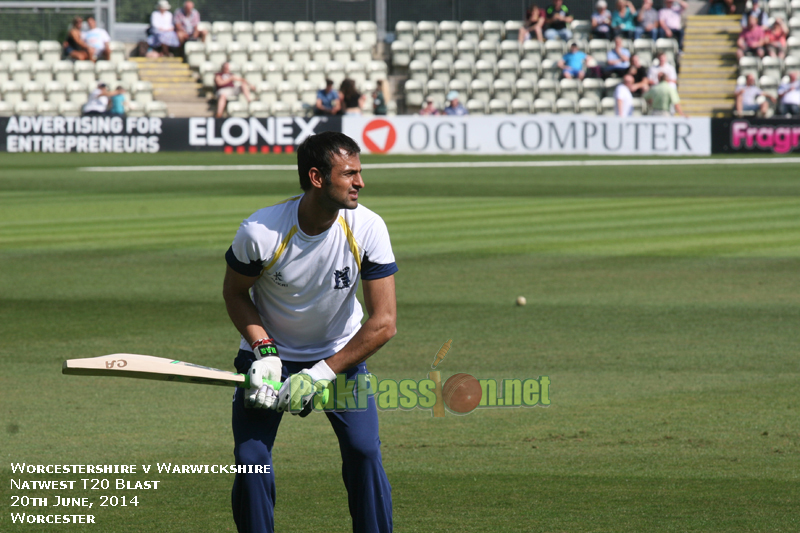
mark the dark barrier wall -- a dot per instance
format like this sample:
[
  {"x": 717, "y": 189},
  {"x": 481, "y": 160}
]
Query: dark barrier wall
[
  {"x": 151, "y": 135},
  {"x": 752, "y": 135}
]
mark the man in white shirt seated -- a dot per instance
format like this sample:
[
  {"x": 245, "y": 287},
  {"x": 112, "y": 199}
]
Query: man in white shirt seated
[
  {"x": 746, "y": 96},
  {"x": 97, "y": 105},
  {"x": 623, "y": 98},
  {"x": 662, "y": 66},
  {"x": 97, "y": 39},
  {"x": 789, "y": 95}
]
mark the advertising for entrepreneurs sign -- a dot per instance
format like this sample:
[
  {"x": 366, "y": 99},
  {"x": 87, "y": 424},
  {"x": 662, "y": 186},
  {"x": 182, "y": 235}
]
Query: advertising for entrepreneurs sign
[{"x": 533, "y": 134}]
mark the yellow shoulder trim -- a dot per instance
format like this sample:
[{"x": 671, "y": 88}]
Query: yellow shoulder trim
[
  {"x": 351, "y": 240},
  {"x": 281, "y": 249},
  {"x": 292, "y": 199}
]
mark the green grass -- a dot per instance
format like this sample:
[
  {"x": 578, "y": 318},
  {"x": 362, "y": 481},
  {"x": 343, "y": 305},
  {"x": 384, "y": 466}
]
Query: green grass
[{"x": 663, "y": 303}]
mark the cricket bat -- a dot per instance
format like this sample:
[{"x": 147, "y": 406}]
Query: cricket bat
[{"x": 129, "y": 365}]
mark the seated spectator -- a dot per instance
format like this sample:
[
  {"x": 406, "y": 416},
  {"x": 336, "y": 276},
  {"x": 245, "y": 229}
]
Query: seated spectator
[
  {"x": 97, "y": 104},
  {"x": 187, "y": 23},
  {"x": 663, "y": 97},
  {"x": 430, "y": 108},
  {"x": 756, "y": 11},
  {"x": 789, "y": 94},
  {"x": 533, "y": 24},
  {"x": 751, "y": 40},
  {"x": 162, "y": 30},
  {"x": 351, "y": 100},
  {"x": 117, "y": 102},
  {"x": 380, "y": 98},
  {"x": 558, "y": 19},
  {"x": 623, "y": 21},
  {"x": 640, "y": 81},
  {"x": 775, "y": 39},
  {"x": 601, "y": 21},
  {"x": 573, "y": 64},
  {"x": 623, "y": 97},
  {"x": 618, "y": 58},
  {"x": 721, "y": 7},
  {"x": 75, "y": 47},
  {"x": 670, "y": 20},
  {"x": 746, "y": 97},
  {"x": 662, "y": 67},
  {"x": 454, "y": 107},
  {"x": 97, "y": 39},
  {"x": 647, "y": 21},
  {"x": 229, "y": 86},
  {"x": 327, "y": 100}
]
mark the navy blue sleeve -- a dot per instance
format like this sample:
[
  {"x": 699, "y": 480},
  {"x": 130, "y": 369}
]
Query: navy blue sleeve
[
  {"x": 370, "y": 270},
  {"x": 252, "y": 269}
]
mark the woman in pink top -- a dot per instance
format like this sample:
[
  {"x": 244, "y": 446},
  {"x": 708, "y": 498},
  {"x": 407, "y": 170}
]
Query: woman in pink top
[{"x": 776, "y": 39}]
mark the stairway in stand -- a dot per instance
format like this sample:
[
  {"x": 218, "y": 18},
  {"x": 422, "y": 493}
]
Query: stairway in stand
[
  {"x": 174, "y": 83},
  {"x": 708, "y": 66}
]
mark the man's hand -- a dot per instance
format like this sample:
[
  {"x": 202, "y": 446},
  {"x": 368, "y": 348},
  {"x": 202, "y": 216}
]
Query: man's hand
[
  {"x": 261, "y": 395},
  {"x": 297, "y": 393}
]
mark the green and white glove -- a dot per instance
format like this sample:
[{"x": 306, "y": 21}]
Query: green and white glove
[
  {"x": 266, "y": 367},
  {"x": 297, "y": 393}
]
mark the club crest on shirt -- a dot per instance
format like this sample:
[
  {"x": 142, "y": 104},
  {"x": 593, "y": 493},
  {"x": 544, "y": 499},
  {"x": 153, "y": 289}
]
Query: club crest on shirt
[
  {"x": 342, "y": 278},
  {"x": 277, "y": 278}
]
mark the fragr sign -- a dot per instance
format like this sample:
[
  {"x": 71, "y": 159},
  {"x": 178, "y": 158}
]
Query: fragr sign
[
  {"x": 775, "y": 136},
  {"x": 531, "y": 134}
]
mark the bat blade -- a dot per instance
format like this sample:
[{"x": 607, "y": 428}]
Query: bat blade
[{"x": 136, "y": 366}]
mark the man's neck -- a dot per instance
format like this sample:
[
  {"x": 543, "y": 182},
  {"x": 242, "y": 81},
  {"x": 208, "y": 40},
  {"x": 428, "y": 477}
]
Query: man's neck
[{"x": 313, "y": 217}]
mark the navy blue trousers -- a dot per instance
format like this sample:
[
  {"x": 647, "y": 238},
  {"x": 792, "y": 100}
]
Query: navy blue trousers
[{"x": 253, "y": 496}]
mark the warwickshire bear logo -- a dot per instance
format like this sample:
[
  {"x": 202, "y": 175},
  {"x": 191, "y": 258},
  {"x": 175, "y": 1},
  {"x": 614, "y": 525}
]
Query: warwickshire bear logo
[{"x": 342, "y": 278}]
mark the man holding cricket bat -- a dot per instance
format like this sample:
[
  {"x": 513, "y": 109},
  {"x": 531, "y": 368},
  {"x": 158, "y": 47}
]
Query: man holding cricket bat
[{"x": 290, "y": 289}]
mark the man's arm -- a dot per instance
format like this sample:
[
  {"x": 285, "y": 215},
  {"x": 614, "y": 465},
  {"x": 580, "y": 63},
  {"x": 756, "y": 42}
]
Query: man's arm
[
  {"x": 241, "y": 309},
  {"x": 380, "y": 327}
]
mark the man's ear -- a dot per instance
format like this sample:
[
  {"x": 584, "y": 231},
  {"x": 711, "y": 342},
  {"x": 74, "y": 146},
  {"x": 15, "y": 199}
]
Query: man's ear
[{"x": 316, "y": 178}]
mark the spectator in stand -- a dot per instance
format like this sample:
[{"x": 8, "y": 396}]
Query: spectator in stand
[
  {"x": 775, "y": 39},
  {"x": 430, "y": 108},
  {"x": 721, "y": 7},
  {"x": 533, "y": 25},
  {"x": 623, "y": 97},
  {"x": 380, "y": 98},
  {"x": 663, "y": 67},
  {"x": 558, "y": 19},
  {"x": 573, "y": 64},
  {"x": 75, "y": 47},
  {"x": 97, "y": 39},
  {"x": 751, "y": 41},
  {"x": 663, "y": 97},
  {"x": 97, "y": 104},
  {"x": 454, "y": 107},
  {"x": 746, "y": 97},
  {"x": 187, "y": 23},
  {"x": 162, "y": 30},
  {"x": 327, "y": 100},
  {"x": 647, "y": 21},
  {"x": 351, "y": 100},
  {"x": 618, "y": 58},
  {"x": 670, "y": 20},
  {"x": 789, "y": 94},
  {"x": 229, "y": 86},
  {"x": 756, "y": 11},
  {"x": 639, "y": 74},
  {"x": 601, "y": 21},
  {"x": 623, "y": 21},
  {"x": 117, "y": 99}
]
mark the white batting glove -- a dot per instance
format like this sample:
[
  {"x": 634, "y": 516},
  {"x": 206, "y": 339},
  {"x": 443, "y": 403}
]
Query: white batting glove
[
  {"x": 262, "y": 395},
  {"x": 297, "y": 393}
]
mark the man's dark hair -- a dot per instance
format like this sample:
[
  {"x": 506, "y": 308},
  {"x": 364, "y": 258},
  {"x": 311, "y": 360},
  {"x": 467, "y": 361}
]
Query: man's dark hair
[{"x": 317, "y": 152}]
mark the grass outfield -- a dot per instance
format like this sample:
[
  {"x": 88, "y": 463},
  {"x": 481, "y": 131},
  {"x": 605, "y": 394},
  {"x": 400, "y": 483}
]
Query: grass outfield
[{"x": 663, "y": 303}]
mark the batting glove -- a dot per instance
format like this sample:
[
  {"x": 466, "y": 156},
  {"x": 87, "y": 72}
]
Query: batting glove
[
  {"x": 268, "y": 366},
  {"x": 297, "y": 393}
]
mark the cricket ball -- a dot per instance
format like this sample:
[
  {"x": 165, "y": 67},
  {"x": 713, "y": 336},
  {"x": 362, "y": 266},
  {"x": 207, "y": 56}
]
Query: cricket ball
[
  {"x": 462, "y": 393},
  {"x": 521, "y": 300}
]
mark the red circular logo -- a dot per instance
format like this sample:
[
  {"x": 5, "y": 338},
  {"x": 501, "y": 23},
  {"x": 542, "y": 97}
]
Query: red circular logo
[{"x": 379, "y": 136}]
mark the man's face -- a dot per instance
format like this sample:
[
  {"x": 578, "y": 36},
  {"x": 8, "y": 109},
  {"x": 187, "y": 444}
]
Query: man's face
[
  {"x": 226, "y": 68},
  {"x": 752, "y": 22},
  {"x": 342, "y": 192},
  {"x": 188, "y": 7},
  {"x": 751, "y": 80},
  {"x": 793, "y": 77},
  {"x": 91, "y": 22}
]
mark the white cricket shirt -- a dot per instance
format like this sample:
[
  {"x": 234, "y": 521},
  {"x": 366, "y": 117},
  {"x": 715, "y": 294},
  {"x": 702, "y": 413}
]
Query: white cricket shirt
[{"x": 306, "y": 290}]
